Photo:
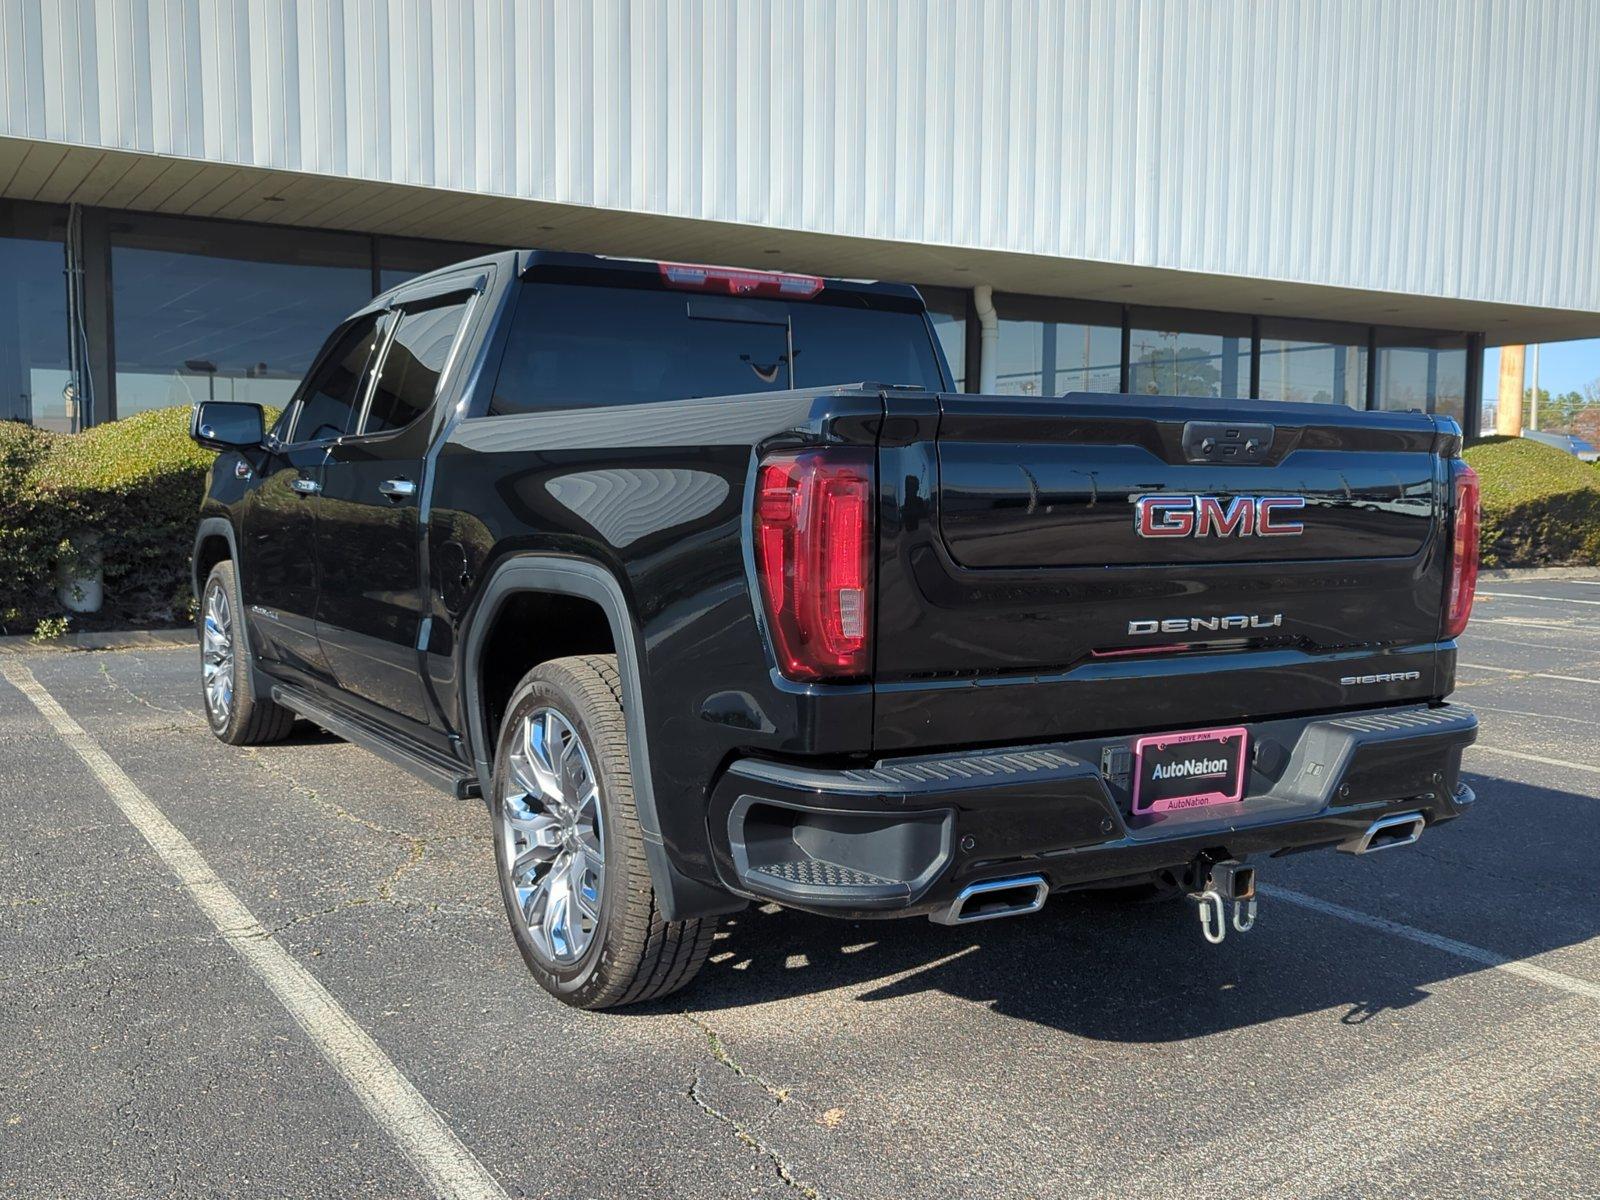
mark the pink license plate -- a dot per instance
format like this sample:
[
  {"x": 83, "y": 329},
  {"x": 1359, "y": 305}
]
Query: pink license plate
[{"x": 1174, "y": 771}]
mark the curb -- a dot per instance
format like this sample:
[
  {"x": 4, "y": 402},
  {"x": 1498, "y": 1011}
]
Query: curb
[{"x": 112, "y": 639}]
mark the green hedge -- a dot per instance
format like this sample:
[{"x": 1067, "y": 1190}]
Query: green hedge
[
  {"x": 136, "y": 483},
  {"x": 1541, "y": 506}
]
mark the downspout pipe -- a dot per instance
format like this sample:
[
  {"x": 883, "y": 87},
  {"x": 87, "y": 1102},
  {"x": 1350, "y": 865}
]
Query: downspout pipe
[{"x": 988, "y": 337}]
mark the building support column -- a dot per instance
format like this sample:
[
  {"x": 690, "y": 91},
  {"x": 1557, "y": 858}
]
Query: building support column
[{"x": 1508, "y": 413}]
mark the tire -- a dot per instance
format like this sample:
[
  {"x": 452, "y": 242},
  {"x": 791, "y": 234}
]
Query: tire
[
  {"x": 227, "y": 676},
  {"x": 590, "y": 931}
]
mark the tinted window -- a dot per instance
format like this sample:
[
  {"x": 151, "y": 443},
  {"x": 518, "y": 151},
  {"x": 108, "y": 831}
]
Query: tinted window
[
  {"x": 580, "y": 345},
  {"x": 207, "y": 309},
  {"x": 412, "y": 366},
  {"x": 35, "y": 369},
  {"x": 1188, "y": 354},
  {"x": 330, "y": 394}
]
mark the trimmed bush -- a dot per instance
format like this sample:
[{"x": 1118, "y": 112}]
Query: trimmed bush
[
  {"x": 30, "y": 536},
  {"x": 1541, "y": 506},
  {"x": 135, "y": 483}
]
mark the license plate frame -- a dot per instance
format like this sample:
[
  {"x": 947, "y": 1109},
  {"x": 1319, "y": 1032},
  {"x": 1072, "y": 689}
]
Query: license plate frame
[{"x": 1157, "y": 795}]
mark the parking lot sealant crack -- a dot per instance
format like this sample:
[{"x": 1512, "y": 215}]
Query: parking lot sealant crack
[
  {"x": 743, "y": 1134},
  {"x": 720, "y": 1053},
  {"x": 117, "y": 685}
]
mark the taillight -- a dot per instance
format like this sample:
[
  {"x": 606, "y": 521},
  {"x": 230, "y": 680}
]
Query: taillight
[
  {"x": 813, "y": 550},
  {"x": 731, "y": 281},
  {"x": 1463, "y": 549}
]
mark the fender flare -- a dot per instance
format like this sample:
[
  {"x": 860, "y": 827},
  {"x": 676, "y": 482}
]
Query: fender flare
[{"x": 678, "y": 896}]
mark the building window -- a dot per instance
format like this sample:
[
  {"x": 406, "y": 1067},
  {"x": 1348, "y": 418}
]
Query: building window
[
  {"x": 947, "y": 309},
  {"x": 1052, "y": 347},
  {"x": 205, "y": 309},
  {"x": 1177, "y": 353},
  {"x": 400, "y": 259},
  {"x": 35, "y": 363},
  {"x": 1423, "y": 371},
  {"x": 1320, "y": 362}
]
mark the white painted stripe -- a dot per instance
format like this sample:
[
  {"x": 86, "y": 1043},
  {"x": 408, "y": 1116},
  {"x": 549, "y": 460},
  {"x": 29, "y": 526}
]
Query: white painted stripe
[
  {"x": 1538, "y": 758},
  {"x": 394, "y": 1102},
  {"x": 1530, "y": 674},
  {"x": 1488, "y": 958},
  {"x": 1523, "y": 712},
  {"x": 1532, "y": 596}
]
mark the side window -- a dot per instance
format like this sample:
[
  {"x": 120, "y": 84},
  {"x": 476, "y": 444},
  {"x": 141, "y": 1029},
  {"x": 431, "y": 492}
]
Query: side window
[
  {"x": 324, "y": 406},
  {"x": 416, "y": 358}
]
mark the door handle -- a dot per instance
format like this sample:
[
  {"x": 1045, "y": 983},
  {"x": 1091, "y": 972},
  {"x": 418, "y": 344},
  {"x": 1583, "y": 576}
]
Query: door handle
[
  {"x": 306, "y": 487},
  {"x": 398, "y": 489}
]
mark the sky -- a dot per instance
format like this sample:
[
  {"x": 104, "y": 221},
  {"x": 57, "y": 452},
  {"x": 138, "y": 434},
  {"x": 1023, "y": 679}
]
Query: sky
[{"x": 1563, "y": 367}]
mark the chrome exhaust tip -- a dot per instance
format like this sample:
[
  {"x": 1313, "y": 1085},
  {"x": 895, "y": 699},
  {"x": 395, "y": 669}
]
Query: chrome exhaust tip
[
  {"x": 995, "y": 898},
  {"x": 1387, "y": 833}
]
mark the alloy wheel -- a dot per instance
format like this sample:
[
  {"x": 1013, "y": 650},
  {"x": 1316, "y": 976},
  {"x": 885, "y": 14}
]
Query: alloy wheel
[
  {"x": 554, "y": 843},
  {"x": 216, "y": 655}
]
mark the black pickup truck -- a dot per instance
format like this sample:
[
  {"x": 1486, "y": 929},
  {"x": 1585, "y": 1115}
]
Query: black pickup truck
[{"x": 715, "y": 588}]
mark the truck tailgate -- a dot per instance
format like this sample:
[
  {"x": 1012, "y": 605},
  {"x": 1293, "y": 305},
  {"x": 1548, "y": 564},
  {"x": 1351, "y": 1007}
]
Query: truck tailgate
[{"x": 1091, "y": 563}]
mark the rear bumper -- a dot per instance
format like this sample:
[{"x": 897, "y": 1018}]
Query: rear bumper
[{"x": 906, "y": 835}]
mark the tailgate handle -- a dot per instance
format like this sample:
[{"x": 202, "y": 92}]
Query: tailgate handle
[{"x": 1231, "y": 442}]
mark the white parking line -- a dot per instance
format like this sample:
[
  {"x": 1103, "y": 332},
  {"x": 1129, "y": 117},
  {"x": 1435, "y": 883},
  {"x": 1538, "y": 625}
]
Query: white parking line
[
  {"x": 1527, "y": 674},
  {"x": 1538, "y": 758},
  {"x": 1532, "y": 596},
  {"x": 394, "y": 1102},
  {"x": 1511, "y": 966}
]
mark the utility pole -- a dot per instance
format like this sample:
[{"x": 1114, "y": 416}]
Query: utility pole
[{"x": 1508, "y": 412}]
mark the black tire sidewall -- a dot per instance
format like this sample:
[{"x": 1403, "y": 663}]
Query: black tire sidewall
[{"x": 572, "y": 983}]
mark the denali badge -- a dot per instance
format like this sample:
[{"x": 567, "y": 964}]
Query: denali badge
[
  {"x": 1206, "y": 624},
  {"x": 1176, "y": 516}
]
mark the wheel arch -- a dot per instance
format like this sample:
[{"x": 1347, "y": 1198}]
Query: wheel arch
[{"x": 678, "y": 896}]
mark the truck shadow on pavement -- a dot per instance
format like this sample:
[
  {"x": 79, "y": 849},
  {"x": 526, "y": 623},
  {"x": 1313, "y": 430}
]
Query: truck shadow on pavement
[{"x": 1106, "y": 970}]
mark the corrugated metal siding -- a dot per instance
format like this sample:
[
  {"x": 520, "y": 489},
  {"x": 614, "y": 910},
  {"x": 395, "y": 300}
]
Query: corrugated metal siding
[{"x": 1433, "y": 147}]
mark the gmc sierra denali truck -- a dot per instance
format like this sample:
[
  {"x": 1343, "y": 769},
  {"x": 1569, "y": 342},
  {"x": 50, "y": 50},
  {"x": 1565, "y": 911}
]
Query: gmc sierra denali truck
[{"x": 716, "y": 590}]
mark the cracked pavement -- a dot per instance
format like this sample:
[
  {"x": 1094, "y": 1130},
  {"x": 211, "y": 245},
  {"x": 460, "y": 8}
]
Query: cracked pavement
[{"x": 1093, "y": 1050}]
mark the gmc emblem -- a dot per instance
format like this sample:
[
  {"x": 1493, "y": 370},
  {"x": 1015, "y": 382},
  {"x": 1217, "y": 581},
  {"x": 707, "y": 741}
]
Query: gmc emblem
[{"x": 1170, "y": 516}]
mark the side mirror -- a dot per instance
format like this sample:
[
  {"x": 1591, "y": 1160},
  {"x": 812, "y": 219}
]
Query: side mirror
[{"x": 227, "y": 425}]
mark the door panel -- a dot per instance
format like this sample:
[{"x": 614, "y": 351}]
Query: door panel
[
  {"x": 374, "y": 598},
  {"x": 278, "y": 574}
]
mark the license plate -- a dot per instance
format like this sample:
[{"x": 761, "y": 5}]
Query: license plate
[{"x": 1174, "y": 771}]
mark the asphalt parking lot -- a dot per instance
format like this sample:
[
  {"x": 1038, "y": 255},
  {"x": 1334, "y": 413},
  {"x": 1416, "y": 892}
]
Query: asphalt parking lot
[{"x": 1416, "y": 1023}]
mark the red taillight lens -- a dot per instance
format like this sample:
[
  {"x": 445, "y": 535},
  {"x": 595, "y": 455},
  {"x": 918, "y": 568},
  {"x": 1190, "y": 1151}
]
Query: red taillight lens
[
  {"x": 813, "y": 548},
  {"x": 731, "y": 281},
  {"x": 1463, "y": 550}
]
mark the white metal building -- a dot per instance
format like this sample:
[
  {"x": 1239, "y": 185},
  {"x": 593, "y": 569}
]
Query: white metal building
[{"x": 1334, "y": 199}]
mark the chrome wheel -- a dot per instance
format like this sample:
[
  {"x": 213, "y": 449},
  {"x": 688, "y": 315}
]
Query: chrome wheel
[
  {"x": 216, "y": 655},
  {"x": 554, "y": 845}
]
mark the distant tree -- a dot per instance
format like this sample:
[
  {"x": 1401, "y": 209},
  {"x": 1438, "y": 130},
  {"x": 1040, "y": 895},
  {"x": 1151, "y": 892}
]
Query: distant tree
[
  {"x": 1556, "y": 412},
  {"x": 1178, "y": 371},
  {"x": 1587, "y": 424}
]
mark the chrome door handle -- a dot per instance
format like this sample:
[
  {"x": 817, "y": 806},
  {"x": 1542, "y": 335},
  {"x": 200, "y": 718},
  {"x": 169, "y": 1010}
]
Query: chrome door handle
[
  {"x": 306, "y": 487},
  {"x": 398, "y": 489}
]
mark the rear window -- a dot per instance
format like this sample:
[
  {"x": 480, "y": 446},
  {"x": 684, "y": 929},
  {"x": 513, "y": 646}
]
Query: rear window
[{"x": 580, "y": 346}]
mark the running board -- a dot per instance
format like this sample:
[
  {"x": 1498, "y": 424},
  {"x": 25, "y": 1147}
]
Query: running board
[{"x": 443, "y": 773}]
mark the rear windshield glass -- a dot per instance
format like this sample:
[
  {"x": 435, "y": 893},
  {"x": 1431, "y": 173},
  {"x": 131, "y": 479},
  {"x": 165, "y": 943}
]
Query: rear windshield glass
[{"x": 577, "y": 345}]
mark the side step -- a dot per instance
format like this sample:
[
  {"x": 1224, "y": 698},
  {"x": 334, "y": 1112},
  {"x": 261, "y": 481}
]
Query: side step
[{"x": 443, "y": 773}]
